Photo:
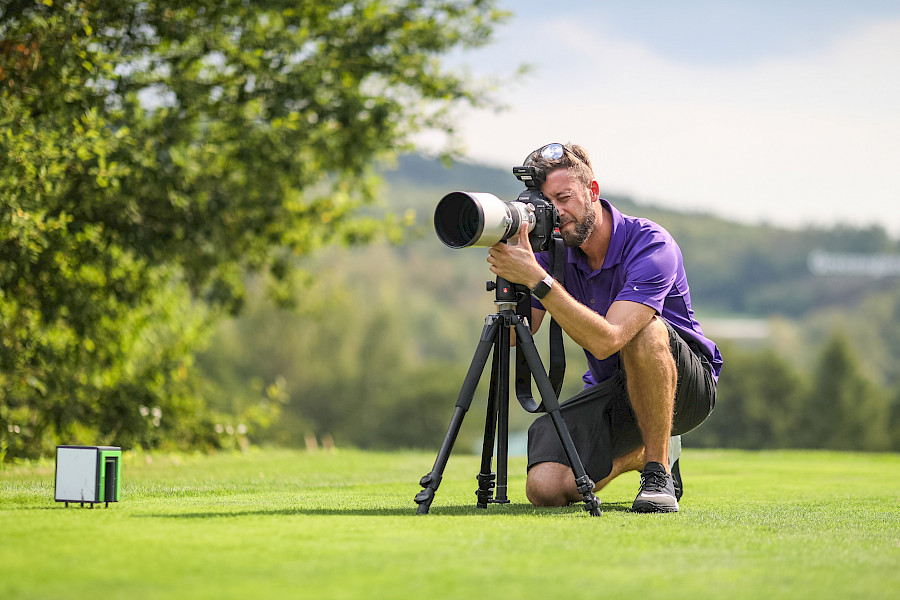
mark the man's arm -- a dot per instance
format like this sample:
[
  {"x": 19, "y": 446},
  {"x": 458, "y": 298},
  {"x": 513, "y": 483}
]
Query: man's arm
[
  {"x": 600, "y": 336},
  {"x": 537, "y": 316}
]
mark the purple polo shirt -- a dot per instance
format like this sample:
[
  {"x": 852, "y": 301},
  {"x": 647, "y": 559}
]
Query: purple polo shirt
[{"x": 643, "y": 264}]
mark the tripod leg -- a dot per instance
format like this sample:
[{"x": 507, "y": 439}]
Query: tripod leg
[
  {"x": 497, "y": 422},
  {"x": 486, "y": 477},
  {"x": 525, "y": 342},
  {"x": 432, "y": 480},
  {"x": 503, "y": 342}
]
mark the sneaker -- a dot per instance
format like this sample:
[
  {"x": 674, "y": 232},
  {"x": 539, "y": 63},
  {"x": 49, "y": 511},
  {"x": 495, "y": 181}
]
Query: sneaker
[{"x": 657, "y": 491}]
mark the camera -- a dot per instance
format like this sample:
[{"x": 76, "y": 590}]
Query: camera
[{"x": 463, "y": 219}]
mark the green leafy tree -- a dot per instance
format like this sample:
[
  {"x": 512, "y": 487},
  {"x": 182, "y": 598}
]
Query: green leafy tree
[
  {"x": 894, "y": 422},
  {"x": 153, "y": 152},
  {"x": 759, "y": 403},
  {"x": 845, "y": 410}
]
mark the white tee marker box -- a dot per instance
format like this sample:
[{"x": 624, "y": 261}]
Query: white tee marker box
[{"x": 88, "y": 474}]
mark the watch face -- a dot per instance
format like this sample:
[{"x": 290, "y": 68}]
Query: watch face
[{"x": 541, "y": 289}]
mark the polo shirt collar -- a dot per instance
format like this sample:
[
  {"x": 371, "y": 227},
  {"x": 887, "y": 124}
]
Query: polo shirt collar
[{"x": 616, "y": 243}]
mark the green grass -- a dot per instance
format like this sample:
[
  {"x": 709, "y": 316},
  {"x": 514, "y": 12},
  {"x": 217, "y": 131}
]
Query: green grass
[{"x": 291, "y": 524}]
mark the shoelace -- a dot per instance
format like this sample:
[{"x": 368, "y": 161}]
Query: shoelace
[{"x": 653, "y": 481}]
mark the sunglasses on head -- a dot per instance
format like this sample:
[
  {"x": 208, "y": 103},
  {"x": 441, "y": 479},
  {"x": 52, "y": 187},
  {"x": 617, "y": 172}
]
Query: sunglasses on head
[{"x": 552, "y": 151}]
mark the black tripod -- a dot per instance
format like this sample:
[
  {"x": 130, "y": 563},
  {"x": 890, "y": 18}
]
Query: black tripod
[{"x": 496, "y": 335}]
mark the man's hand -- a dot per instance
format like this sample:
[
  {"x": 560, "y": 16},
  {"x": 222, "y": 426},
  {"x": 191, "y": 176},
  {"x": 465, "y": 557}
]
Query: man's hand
[{"x": 515, "y": 262}]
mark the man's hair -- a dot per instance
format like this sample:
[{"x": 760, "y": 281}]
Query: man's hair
[{"x": 575, "y": 158}]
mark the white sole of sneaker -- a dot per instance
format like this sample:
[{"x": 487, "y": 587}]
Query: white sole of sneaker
[
  {"x": 653, "y": 508},
  {"x": 647, "y": 503}
]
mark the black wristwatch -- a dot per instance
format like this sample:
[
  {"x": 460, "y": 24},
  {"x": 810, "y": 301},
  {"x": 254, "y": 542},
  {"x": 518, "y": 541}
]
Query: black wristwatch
[{"x": 542, "y": 288}]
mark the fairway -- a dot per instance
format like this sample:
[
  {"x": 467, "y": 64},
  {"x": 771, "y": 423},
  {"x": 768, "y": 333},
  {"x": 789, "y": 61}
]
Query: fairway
[{"x": 292, "y": 524}]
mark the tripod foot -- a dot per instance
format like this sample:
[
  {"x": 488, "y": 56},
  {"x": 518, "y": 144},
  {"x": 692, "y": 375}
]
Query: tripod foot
[
  {"x": 424, "y": 498},
  {"x": 586, "y": 489},
  {"x": 592, "y": 506},
  {"x": 485, "y": 491}
]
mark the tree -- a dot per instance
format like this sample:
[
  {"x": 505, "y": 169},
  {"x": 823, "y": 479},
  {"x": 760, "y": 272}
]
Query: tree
[
  {"x": 845, "y": 411},
  {"x": 155, "y": 152},
  {"x": 758, "y": 405},
  {"x": 894, "y": 421}
]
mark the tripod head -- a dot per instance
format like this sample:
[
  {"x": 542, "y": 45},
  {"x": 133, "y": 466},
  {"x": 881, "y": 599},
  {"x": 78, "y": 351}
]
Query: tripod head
[{"x": 507, "y": 295}]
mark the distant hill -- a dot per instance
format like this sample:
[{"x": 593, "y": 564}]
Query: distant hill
[{"x": 734, "y": 269}]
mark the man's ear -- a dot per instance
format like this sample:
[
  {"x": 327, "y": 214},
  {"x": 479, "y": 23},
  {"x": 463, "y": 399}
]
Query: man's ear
[{"x": 595, "y": 191}]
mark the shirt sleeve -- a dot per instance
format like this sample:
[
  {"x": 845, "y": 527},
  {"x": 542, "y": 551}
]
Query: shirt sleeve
[{"x": 650, "y": 272}]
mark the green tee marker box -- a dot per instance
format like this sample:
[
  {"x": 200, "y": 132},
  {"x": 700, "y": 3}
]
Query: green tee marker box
[{"x": 88, "y": 474}]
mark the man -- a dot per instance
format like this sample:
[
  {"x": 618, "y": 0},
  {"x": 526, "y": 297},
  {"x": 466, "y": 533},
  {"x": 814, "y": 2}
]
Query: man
[{"x": 652, "y": 373}]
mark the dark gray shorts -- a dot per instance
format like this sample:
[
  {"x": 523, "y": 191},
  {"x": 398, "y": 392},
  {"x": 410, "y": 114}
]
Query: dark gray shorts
[{"x": 602, "y": 422}]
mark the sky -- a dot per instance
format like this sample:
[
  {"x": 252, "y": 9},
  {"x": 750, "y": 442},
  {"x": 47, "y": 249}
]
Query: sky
[{"x": 784, "y": 112}]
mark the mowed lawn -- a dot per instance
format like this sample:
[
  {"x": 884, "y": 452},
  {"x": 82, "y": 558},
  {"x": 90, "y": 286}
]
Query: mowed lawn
[{"x": 293, "y": 524}]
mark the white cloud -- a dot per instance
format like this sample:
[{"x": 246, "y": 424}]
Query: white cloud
[{"x": 811, "y": 138}]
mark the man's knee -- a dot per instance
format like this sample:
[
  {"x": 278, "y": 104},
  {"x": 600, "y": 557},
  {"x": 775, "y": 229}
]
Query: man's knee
[
  {"x": 550, "y": 484},
  {"x": 650, "y": 343}
]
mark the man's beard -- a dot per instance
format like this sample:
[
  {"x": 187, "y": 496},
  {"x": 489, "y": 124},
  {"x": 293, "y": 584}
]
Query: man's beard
[{"x": 581, "y": 231}]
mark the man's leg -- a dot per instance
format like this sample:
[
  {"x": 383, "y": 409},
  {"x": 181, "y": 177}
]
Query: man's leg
[
  {"x": 652, "y": 377},
  {"x": 553, "y": 484}
]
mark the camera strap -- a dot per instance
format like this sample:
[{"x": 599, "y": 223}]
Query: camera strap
[{"x": 557, "y": 349}]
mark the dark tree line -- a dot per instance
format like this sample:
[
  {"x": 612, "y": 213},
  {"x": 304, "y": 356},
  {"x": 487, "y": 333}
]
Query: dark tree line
[
  {"x": 766, "y": 402},
  {"x": 388, "y": 376}
]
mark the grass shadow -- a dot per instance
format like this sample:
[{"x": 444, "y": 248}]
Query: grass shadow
[{"x": 512, "y": 510}]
